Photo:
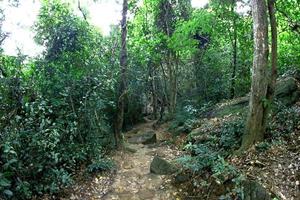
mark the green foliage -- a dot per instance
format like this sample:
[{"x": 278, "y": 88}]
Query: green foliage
[
  {"x": 56, "y": 112},
  {"x": 284, "y": 122},
  {"x": 185, "y": 115},
  {"x": 223, "y": 171},
  {"x": 101, "y": 165},
  {"x": 263, "y": 146},
  {"x": 289, "y": 31},
  {"x": 231, "y": 134},
  {"x": 204, "y": 158}
]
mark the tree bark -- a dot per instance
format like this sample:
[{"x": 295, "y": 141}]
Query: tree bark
[
  {"x": 173, "y": 84},
  {"x": 123, "y": 81},
  {"x": 154, "y": 91},
  {"x": 234, "y": 52},
  {"x": 274, "y": 52},
  {"x": 256, "y": 122}
]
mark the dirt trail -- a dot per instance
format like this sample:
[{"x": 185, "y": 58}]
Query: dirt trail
[{"x": 133, "y": 180}]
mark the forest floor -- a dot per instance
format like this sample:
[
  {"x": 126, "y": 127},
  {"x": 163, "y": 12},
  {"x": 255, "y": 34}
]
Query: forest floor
[
  {"x": 277, "y": 168},
  {"x": 132, "y": 180}
]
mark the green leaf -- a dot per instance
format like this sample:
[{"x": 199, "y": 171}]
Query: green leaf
[
  {"x": 8, "y": 193},
  {"x": 4, "y": 182}
]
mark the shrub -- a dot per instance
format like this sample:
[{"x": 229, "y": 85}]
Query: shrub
[
  {"x": 285, "y": 121},
  {"x": 100, "y": 165},
  {"x": 203, "y": 158},
  {"x": 231, "y": 134},
  {"x": 43, "y": 147}
]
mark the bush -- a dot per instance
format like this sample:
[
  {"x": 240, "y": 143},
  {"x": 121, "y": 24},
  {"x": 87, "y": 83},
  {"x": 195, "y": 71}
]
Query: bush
[
  {"x": 44, "y": 145},
  {"x": 231, "y": 134},
  {"x": 56, "y": 112},
  {"x": 203, "y": 158},
  {"x": 100, "y": 165},
  {"x": 223, "y": 171},
  {"x": 285, "y": 121}
]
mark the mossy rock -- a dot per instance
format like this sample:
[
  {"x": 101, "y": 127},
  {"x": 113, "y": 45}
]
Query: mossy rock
[
  {"x": 144, "y": 138},
  {"x": 162, "y": 167},
  {"x": 287, "y": 91},
  {"x": 181, "y": 178},
  {"x": 255, "y": 191}
]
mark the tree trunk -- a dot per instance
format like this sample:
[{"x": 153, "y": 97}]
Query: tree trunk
[
  {"x": 153, "y": 88},
  {"x": 123, "y": 81},
  {"x": 154, "y": 92},
  {"x": 172, "y": 85},
  {"x": 234, "y": 52},
  {"x": 274, "y": 53},
  {"x": 256, "y": 122}
]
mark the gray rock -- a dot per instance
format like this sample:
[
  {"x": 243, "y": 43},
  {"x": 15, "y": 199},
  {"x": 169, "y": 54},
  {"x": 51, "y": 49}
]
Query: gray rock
[
  {"x": 287, "y": 91},
  {"x": 181, "y": 178},
  {"x": 130, "y": 150},
  {"x": 162, "y": 167},
  {"x": 254, "y": 191},
  {"x": 144, "y": 138}
]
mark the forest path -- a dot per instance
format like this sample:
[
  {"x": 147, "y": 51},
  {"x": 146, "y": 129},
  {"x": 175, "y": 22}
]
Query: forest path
[{"x": 133, "y": 180}]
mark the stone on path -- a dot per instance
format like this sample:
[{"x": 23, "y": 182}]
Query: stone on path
[
  {"x": 126, "y": 196},
  {"x": 162, "y": 167},
  {"x": 146, "y": 194},
  {"x": 144, "y": 138},
  {"x": 254, "y": 191}
]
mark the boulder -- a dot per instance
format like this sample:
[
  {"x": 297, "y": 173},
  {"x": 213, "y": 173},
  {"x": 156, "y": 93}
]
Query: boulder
[
  {"x": 255, "y": 191},
  {"x": 162, "y": 167},
  {"x": 129, "y": 149},
  {"x": 181, "y": 178},
  {"x": 144, "y": 138},
  {"x": 287, "y": 91}
]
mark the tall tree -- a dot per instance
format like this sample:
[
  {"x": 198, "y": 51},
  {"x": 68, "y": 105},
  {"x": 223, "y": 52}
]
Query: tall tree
[
  {"x": 168, "y": 14},
  {"x": 123, "y": 71},
  {"x": 263, "y": 82},
  {"x": 234, "y": 48}
]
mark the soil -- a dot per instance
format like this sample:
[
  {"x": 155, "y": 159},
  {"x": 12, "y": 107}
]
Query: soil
[{"x": 132, "y": 180}]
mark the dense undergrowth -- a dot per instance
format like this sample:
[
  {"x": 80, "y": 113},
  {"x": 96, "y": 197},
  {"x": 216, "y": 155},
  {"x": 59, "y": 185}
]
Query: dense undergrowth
[
  {"x": 55, "y": 113},
  {"x": 213, "y": 135}
]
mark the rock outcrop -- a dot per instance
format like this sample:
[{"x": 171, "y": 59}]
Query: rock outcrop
[
  {"x": 162, "y": 167},
  {"x": 255, "y": 191},
  {"x": 287, "y": 91},
  {"x": 143, "y": 138}
]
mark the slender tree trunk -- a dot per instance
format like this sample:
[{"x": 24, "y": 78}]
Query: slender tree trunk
[
  {"x": 154, "y": 92},
  {"x": 256, "y": 122},
  {"x": 172, "y": 85},
  {"x": 153, "y": 85},
  {"x": 123, "y": 81},
  {"x": 234, "y": 52},
  {"x": 274, "y": 53}
]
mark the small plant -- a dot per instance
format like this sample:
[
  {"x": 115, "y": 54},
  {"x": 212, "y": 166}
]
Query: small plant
[
  {"x": 5, "y": 184},
  {"x": 223, "y": 171},
  {"x": 100, "y": 165},
  {"x": 285, "y": 121},
  {"x": 263, "y": 146},
  {"x": 203, "y": 158},
  {"x": 231, "y": 133}
]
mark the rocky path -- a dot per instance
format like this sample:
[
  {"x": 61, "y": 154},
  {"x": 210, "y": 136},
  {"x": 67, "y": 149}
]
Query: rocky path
[{"x": 133, "y": 180}]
